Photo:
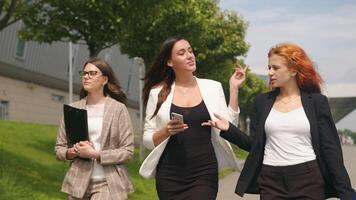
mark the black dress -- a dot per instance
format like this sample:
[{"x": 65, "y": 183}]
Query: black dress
[{"x": 188, "y": 168}]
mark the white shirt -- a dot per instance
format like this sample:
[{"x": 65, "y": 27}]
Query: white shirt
[
  {"x": 95, "y": 122},
  {"x": 288, "y": 138}
]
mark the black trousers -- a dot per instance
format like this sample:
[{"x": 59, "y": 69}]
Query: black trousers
[{"x": 301, "y": 181}]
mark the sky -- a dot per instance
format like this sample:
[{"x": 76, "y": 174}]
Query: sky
[{"x": 325, "y": 29}]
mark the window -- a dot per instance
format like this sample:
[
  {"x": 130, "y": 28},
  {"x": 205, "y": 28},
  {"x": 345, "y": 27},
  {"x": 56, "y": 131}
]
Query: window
[
  {"x": 57, "y": 98},
  {"x": 4, "y": 110},
  {"x": 20, "y": 48}
]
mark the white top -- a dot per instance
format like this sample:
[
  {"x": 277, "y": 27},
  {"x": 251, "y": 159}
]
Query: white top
[
  {"x": 95, "y": 122},
  {"x": 288, "y": 138}
]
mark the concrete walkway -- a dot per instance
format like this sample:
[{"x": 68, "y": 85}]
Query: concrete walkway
[{"x": 227, "y": 185}]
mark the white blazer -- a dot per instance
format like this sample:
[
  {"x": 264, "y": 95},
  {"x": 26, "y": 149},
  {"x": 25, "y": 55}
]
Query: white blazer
[{"x": 214, "y": 99}]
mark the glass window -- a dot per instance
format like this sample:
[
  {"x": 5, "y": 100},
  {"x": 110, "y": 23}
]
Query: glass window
[
  {"x": 58, "y": 98},
  {"x": 4, "y": 110},
  {"x": 20, "y": 48}
]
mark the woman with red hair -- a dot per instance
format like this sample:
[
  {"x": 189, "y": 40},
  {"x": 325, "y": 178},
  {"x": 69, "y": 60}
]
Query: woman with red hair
[{"x": 295, "y": 152}]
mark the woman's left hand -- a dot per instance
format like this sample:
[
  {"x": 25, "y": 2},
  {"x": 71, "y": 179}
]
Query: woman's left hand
[
  {"x": 86, "y": 149},
  {"x": 238, "y": 77},
  {"x": 222, "y": 124}
]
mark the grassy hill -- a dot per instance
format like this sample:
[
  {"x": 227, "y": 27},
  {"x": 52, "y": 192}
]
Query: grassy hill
[{"x": 29, "y": 169}]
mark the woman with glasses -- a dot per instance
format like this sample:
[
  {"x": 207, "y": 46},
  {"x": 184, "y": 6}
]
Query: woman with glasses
[{"x": 102, "y": 173}]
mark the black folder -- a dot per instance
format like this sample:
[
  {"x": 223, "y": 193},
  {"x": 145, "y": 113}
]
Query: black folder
[{"x": 76, "y": 124}]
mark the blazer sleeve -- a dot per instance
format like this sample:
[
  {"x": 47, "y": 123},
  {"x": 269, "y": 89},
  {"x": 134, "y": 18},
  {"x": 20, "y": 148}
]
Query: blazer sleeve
[
  {"x": 150, "y": 125},
  {"x": 61, "y": 146},
  {"x": 227, "y": 111},
  {"x": 330, "y": 149},
  {"x": 239, "y": 138},
  {"x": 125, "y": 150}
]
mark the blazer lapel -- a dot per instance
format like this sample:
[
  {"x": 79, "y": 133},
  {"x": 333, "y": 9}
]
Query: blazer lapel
[
  {"x": 266, "y": 109},
  {"x": 107, "y": 119},
  {"x": 267, "y": 106},
  {"x": 165, "y": 109},
  {"x": 207, "y": 98},
  {"x": 308, "y": 106}
]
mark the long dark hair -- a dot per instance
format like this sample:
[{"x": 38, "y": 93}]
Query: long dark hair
[
  {"x": 308, "y": 79},
  {"x": 160, "y": 73},
  {"x": 112, "y": 87}
]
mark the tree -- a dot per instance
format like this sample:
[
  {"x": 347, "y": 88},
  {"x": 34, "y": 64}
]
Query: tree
[
  {"x": 215, "y": 36},
  {"x": 13, "y": 10},
  {"x": 140, "y": 26},
  {"x": 348, "y": 132},
  {"x": 253, "y": 85},
  {"x": 95, "y": 23}
]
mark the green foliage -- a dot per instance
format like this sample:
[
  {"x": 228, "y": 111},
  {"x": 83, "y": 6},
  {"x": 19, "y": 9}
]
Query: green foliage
[
  {"x": 215, "y": 36},
  {"x": 97, "y": 24},
  {"x": 13, "y": 10},
  {"x": 252, "y": 86},
  {"x": 348, "y": 132},
  {"x": 140, "y": 27}
]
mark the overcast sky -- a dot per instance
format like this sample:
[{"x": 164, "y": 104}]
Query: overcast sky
[{"x": 325, "y": 29}]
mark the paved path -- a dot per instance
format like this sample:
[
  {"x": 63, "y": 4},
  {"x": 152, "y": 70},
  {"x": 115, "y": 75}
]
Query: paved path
[{"x": 227, "y": 184}]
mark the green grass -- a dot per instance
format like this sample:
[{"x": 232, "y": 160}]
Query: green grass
[
  {"x": 240, "y": 154},
  {"x": 145, "y": 189},
  {"x": 29, "y": 169}
]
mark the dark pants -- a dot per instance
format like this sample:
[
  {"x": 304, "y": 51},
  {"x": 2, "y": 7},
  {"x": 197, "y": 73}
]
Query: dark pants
[{"x": 301, "y": 181}]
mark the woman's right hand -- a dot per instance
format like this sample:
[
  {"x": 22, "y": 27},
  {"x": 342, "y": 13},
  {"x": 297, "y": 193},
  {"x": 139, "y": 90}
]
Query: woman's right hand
[
  {"x": 222, "y": 124},
  {"x": 71, "y": 153},
  {"x": 175, "y": 126}
]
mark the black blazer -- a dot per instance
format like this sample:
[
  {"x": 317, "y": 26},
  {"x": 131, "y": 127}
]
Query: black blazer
[{"x": 325, "y": 142}]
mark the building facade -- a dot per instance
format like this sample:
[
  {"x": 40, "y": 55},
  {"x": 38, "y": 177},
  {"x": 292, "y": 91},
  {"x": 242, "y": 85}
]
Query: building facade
[{"x": 34, "y": 77}]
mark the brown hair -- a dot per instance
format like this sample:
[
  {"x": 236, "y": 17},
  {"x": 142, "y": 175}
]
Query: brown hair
[
  {"x": 160, "y": 73},
  {"x": 112, "y": 87},
  {"x": 308, "y": 79}
]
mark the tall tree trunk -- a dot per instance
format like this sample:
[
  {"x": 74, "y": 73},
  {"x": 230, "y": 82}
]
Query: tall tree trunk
[
  {"x": 4, "y": 22},
  {"x": 93, "y": 52}
]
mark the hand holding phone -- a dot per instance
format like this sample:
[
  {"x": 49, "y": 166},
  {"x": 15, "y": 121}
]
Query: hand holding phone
[
  {"x": 175, "y": 127},
  {"x": 177, "y": 116}
]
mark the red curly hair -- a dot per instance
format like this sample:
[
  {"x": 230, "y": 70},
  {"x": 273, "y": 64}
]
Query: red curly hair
[{"x": 308, "y": 79}]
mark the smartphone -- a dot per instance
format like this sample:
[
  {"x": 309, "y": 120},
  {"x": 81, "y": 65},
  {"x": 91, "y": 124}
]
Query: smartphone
[{"x": 177, "y": 116}]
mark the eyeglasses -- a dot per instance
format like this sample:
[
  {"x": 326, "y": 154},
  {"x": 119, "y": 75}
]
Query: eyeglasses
[{"x": 91, "y": 74}]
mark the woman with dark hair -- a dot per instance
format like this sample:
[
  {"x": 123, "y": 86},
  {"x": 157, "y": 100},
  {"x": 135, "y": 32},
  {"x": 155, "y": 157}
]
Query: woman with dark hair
[
  {"x": 185, "y": 155},
  {"x": 295, "y": 152},
  {"x": 102, "y": 175}
]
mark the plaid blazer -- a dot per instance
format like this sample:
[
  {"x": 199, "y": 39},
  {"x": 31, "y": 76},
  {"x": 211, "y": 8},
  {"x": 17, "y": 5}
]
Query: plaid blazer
[{"x": 117, "y": 148}]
